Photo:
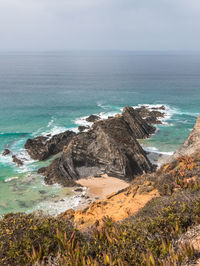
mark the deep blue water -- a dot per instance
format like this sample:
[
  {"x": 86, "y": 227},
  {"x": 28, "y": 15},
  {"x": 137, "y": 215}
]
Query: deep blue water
[{"x": 49, "y": 92}]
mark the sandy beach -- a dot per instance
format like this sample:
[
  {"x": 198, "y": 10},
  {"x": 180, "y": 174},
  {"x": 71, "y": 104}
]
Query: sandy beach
[{"x": 100, "y": 188}]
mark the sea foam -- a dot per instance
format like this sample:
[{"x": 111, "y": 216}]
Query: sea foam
[{"x": 10, "y": 179}]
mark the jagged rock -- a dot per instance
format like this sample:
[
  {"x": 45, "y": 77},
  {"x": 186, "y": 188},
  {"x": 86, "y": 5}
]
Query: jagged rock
[
  {"x": 151, "y": 116},
  {"x": 6, "y": 152},
  {"x": 17, "y": 160},
  {"x": 40, "y": 148},
  {"x": 139, "y": 126},
  {"x": 153, "y": 120},
  {"x": 82, "y": 128},
  {"x": 92, "y": 118},
  {"x": 159, "y": 108},
  {"x": 78, "y": 189},
  {"x": 109, "y": 147},
  {"x": 53, "y": 175},
  {"x": 192, "y": 143}
]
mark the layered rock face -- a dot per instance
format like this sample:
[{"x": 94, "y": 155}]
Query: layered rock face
[
  {"x": 109, "y": 147},
  {"x": 40, "y": 148},
  {"x": 192, "y": 143},
  {"x": 139, "y": 126}
]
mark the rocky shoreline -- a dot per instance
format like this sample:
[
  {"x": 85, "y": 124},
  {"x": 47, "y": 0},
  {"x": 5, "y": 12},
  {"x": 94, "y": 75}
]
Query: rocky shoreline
[
  {"x": 180, "y": 172},
  {"x": 105, "y": 147},
  {"x": 155, "y": 219},
  {"x": 109, "y": 147}
]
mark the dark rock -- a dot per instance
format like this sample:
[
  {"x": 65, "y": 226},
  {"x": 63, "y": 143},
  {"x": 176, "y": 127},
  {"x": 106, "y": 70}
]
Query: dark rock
[
  {"x": 139, "y": 126},
  {"x": 82, "y": 128},
  {"x": 92, "y": 118},
  {"x": 78, "y": 190},
  {"x": 6, "y": 152},
  {"x": 53, "y": 175},
  {"x": 151, "y": 116},
  {"x": 153, "y": 120},
  {"x": 41, "y": 148},
  {"x": 41, "y": 170},
  {"x": 109, "y": 147},
  {"x": 17, "y": 160},
  {"x": 42, "y": 192},
  {"x": 162, "y": 107}
]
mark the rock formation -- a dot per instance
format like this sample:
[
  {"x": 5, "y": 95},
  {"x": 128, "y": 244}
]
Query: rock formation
[
  {"x": 151, "y": 116},
  {"x": 92, "y": 118},
  {"x": 6, "y": 152},
  {"x": 17, "y": 160},
  {"x": 139, "y": 126},
  {"x": 109, "y": 147},
  {"x": 192, "y": 143},
  {"x": 40, "y": 148},
  {"x": 83, "y": 128}
]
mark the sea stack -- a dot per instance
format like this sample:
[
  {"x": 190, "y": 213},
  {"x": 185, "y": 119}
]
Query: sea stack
[{"x": 109, "y": 147}]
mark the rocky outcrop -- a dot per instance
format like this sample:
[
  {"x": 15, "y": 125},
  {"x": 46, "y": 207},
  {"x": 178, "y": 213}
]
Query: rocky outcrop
[
  {"x": 42, "y": 147},
  {"x": 151, "y": 115},
  {"x": 53, "y": 174},
  {"x": 109, "y": 147},
  {"x": 92, "y": 118},
  {"x": 192, "y": 143},
  {"x": 18, "y": 161},
  {"x": 6, "y": 152},
  {"x": 139, "y": 126},
  {"x": 83, "y": 128}
]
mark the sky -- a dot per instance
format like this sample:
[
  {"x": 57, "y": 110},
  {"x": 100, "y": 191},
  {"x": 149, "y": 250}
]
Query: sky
[{"x": 99, "y": 25}]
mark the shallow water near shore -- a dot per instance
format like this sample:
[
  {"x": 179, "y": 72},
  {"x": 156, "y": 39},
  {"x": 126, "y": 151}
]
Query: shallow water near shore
[{"x": 44, "y": 93}]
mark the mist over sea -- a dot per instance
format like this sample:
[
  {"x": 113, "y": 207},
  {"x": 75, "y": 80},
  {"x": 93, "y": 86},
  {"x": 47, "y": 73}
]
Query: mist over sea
[{"x": 49, "y": 92}]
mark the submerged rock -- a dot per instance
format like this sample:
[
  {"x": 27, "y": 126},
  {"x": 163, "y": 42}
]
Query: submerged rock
[
  {"x": 40, "y": 148},
  {"x": 6, "y": 152},
  {"x": 109, "y": 147}
]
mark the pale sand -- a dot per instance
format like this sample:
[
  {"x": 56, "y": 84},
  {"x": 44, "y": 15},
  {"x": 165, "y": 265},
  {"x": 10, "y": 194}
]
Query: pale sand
[{"x": 100, "y": 187}]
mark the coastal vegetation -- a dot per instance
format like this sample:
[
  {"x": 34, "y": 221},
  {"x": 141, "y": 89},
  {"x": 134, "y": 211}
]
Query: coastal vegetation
[{"x": 151, "y": 237}]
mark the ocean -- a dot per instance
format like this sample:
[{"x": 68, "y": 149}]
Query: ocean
[{"x": 49, "y": 92}]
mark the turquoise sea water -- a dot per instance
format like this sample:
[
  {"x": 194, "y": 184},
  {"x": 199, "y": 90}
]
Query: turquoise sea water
[{"x": 43, "y": 93}]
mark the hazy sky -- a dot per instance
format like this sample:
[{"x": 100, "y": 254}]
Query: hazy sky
[{"x": 100, "y": 24}]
